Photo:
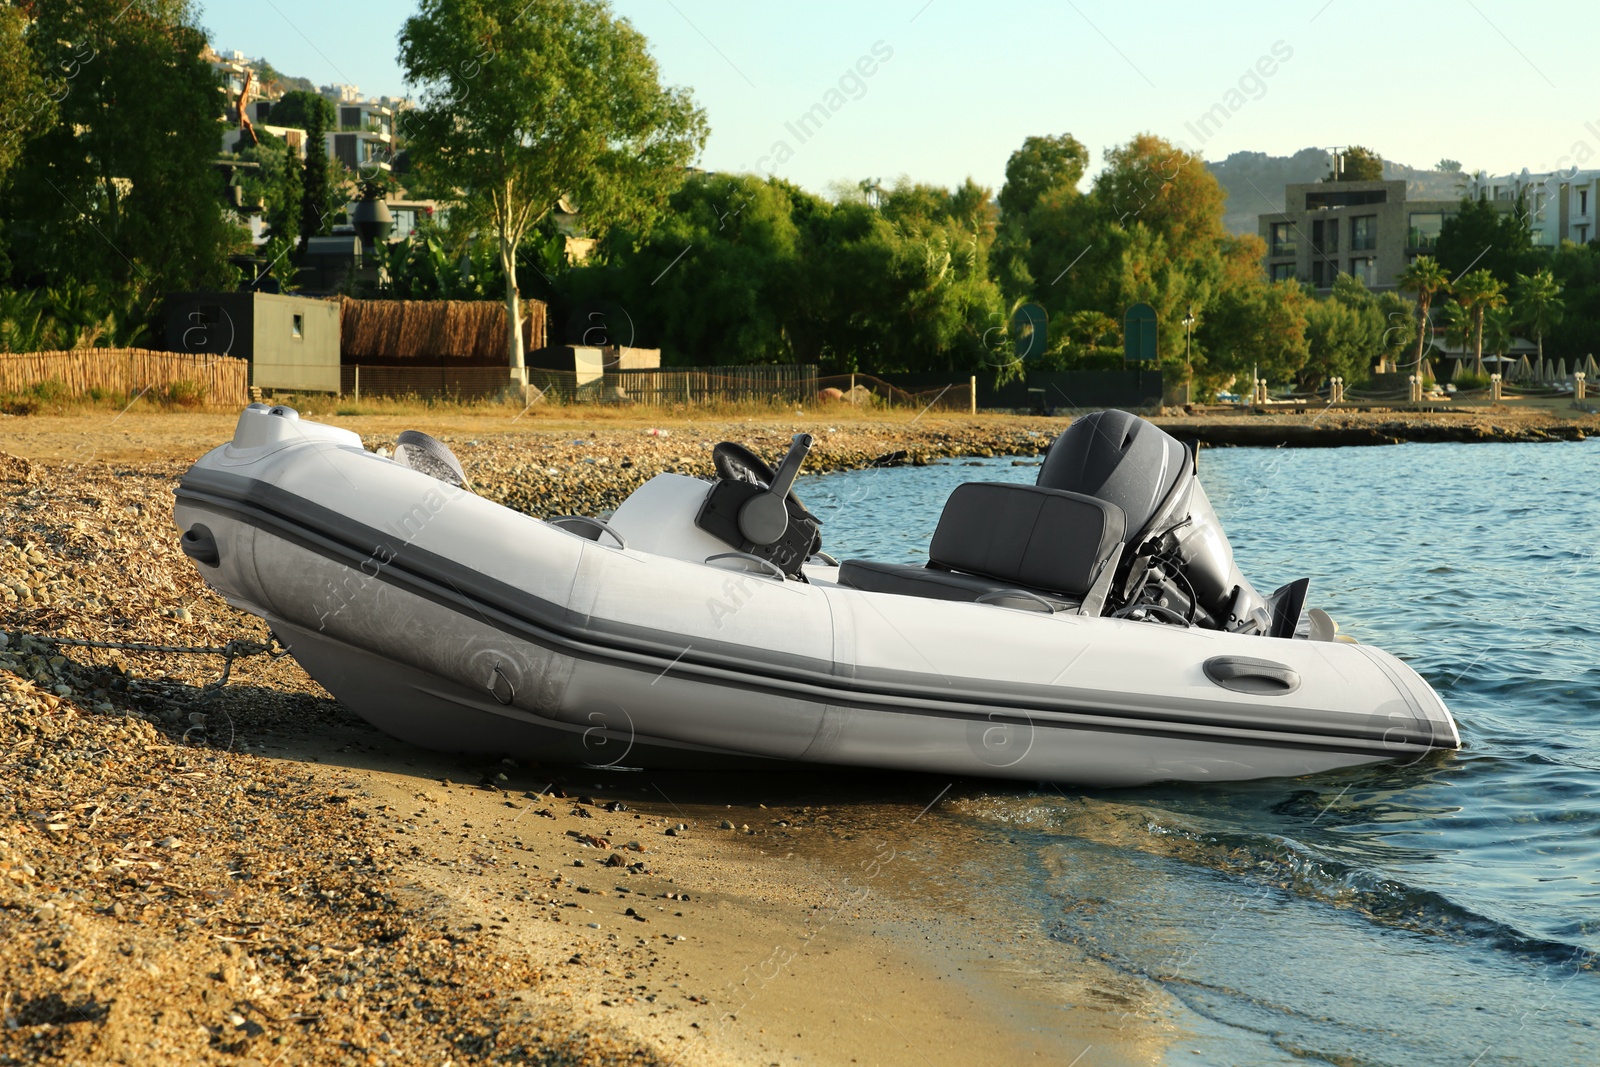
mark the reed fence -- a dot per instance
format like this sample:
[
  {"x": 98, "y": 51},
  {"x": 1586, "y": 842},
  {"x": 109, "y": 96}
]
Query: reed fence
[
  {"x": 432, "y": 329},
  {"x": 223, "y": 380}
]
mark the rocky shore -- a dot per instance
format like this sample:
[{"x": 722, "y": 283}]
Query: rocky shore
[{"x": 248, "y": 874}]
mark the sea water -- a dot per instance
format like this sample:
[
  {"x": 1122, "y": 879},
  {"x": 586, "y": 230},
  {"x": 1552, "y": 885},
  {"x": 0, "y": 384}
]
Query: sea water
[{"x": 1442, "y": 912}]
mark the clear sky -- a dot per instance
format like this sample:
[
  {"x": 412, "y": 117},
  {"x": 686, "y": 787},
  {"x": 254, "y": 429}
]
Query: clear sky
[{"x": 1495, "y": 84}]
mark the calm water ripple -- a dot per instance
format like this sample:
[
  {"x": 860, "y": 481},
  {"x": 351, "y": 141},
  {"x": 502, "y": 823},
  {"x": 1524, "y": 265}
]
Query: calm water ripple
[{"x": 1445, "y": 912}]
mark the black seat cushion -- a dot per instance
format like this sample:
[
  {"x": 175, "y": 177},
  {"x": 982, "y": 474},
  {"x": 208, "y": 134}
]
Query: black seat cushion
[
  {"x": 1027, "y": 535},
  {"x": 906, "y": 580}
]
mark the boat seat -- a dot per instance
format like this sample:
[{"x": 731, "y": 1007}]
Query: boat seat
[
  {"x": 994, "y": 536},
  {"x": 906, "y": 579}
]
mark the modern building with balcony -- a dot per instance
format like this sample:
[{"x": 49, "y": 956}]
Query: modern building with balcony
[
  {"x": 1368, "y": 229},
  {"x": 365, "y": 137},
  {"x": 1561, "y": 205}
]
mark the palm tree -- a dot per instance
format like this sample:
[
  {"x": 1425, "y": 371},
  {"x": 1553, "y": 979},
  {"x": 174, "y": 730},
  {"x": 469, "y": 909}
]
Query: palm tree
[
  {"x": 1477, "y": 293},
  {"x": 1457, "y": 325},
  {"x": 1538, "y": 303},
  {"x": 1497, "y": 331},
  {"x": 1424, "y": 277}
]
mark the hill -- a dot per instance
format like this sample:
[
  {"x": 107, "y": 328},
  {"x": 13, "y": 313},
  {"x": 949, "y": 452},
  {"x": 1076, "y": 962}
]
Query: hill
[{"x": 1254, "y": 182}]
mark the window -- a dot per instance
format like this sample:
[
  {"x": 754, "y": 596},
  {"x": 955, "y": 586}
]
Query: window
[
  {"x": 299, "y": 328},
  {"x": 1323, "y": 273},
  {"x": 1325, "y": 235},
  {"x": 1283, "y": 272},
  {"x": 1346, "y": 199},
  {"x": 1583, "y": 201},
  {"x": 1364, "y": 233},
  {"x": 1583, "y": 235},
  {"x": 1424, "y": 231},
  {"x": 1283, "y": 239},
  {"x": 1364, "y": 269}
]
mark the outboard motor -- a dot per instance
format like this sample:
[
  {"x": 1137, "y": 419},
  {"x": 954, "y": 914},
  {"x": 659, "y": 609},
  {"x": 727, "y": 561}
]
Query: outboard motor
[{"x": 1177, "y": 564}]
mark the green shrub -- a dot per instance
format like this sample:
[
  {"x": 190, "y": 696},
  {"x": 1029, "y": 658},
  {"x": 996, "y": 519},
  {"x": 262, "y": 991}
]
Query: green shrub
[
  {"x": 14, "y": 404},
  {"x": 50, "y": 391},
  {"x": 1470, "y": 381},
  {"x": 186, "y": 393}
]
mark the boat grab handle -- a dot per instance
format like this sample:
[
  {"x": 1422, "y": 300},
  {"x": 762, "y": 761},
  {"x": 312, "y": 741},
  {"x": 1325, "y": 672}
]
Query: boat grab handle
[
  {"x": 754, "y": 564},
  {"x": 1260, "y": 677},
  {"x": 999, "y": 595},
  {"x": 560, "y": 522}
]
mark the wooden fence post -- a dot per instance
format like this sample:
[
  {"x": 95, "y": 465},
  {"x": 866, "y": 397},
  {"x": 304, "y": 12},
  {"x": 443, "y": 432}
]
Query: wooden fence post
[{"x": 973, "y": 395}]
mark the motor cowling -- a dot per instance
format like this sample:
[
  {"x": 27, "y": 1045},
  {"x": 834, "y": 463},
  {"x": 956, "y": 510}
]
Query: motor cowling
[{"x": 1177, "y": 563}]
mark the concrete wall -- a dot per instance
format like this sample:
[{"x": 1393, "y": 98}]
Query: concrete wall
[{"x": 296, "y": 344}]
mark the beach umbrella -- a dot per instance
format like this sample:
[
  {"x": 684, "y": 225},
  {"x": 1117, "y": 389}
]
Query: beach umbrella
[
  {"x": 1561, "y": 369},
  {"x": 1524, "y": 368},
  {"x": 1589, "y": 367}
]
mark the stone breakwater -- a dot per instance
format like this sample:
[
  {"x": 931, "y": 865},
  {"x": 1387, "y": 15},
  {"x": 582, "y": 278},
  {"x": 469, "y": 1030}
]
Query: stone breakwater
[{"x": 1315, "y": 430}]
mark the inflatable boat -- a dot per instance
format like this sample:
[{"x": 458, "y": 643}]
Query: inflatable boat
[{"x": 1092, "y": 628}]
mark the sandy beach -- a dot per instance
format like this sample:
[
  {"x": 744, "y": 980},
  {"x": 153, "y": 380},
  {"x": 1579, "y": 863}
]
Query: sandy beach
[{"x": 251, "y": 875}]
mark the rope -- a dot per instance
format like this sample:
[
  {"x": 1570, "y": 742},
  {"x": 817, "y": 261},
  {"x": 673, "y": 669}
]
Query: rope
[{"x": 235, "y": 649}]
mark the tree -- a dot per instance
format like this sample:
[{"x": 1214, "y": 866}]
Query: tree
[
  {"x": 1254, "y": 330},
  {"x": 1424, "y": 277},
  {"x": 1357, "y": 165},
  {"x": 317, "y": 184},
  {"x": 525, "y": 102},
  {"x": 1457, "y": 323},
  {"x": 1041, "y": 165},
  {"x": 121, "y": 191},
  {"x": 1400, "y": 327},
  {"x": 298, "y": 108},
  {"x": 1477, "y": 292},
  {"x": 1577, "y": 268},
  {"x": 1041, "y": 182},
  {"x": 29, "y": 104},
  {"x": 1448, "y": 166},
  {"x": 1338, "y": 343},
  {"x": 1537, "y": 301},
  {"x": 1481, "y": 235},
  {"x": 1497, "y": 329}
]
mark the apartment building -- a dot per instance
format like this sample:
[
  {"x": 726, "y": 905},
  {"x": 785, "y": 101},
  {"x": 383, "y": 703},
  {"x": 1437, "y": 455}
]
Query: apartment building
[
  {"x": 1561, "y": 205},
  {"x": 364, "y": 139},
  {"x": 1369, "y": 229}
]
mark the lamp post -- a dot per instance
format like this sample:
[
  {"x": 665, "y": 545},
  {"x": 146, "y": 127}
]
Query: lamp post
[{"x": 1188, "y": 350}]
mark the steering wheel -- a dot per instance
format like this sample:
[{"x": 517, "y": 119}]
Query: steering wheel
[
  {"x": 766, "y": 516},
  {"x": 736, "y": 463}
]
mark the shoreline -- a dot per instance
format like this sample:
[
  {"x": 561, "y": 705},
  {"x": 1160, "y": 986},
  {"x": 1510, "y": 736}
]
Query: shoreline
[
  {"x": 257, "y": 873},
  {"x": 554, "y": 464}
]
